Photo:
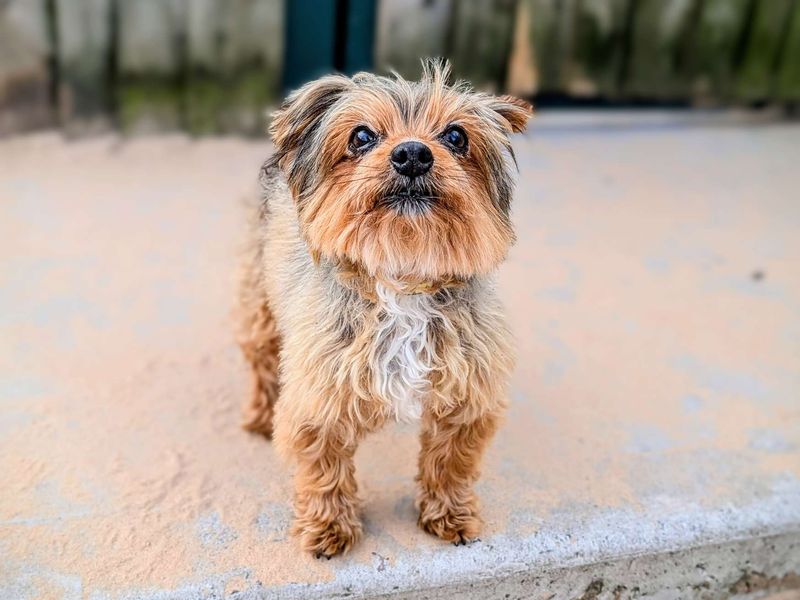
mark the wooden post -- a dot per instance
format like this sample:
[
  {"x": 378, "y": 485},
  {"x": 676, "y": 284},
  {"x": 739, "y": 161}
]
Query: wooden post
[
  {"x": 480, "y": 41},
  {"x": 592, "y": 67},
  {"x": 84, "y": 34},
  {"x": 756, "y": 78},
  {"x": 660, "y": 29},
  {"x": 717, "y": 35},
  {"x": 521, "y": 75},
  {"x": 788, "y": 88},
  {"x": 152, "y": 56},
  {"x": 546, "y": 24},
  {"x": 26, "y": 94}
]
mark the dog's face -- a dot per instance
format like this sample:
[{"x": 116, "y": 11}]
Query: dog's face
[{"x": 405, "y": 179}]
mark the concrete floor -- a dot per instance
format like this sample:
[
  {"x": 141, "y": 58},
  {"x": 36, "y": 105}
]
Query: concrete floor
[{"x": 653, "y": 443}]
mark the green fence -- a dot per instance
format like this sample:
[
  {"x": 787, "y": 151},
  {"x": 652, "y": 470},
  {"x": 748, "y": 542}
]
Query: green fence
[{"x": 215, "y": 66}]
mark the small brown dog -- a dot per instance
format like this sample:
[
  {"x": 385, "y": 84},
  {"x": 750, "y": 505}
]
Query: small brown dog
[{"x": 368, "y": 293}]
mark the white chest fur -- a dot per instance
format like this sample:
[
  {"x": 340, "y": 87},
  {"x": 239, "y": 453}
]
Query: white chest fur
[{"x": 404, "y": 351}]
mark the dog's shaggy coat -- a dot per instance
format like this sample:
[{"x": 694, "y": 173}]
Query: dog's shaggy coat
[{"x": 367, "y": 295}]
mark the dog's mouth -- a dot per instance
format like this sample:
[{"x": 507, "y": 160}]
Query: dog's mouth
[{"x": 412, "y": 200}]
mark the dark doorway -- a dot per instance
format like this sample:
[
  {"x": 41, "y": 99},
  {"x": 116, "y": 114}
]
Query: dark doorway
[{"x": 325, "y": 36}]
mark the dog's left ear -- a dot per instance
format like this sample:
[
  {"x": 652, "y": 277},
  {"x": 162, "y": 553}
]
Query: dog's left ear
[
  {"x": 514, "y": 111},
  {"x": 300, "y": 114}
]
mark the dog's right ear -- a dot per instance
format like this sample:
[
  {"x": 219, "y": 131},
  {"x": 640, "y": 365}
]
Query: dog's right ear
[
  {"x": 296, "y": 121},
  {"x": 515, "y": 112}
]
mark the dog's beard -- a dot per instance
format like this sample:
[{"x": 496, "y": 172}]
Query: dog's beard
[
  {"x": 426, "y": 227},
  {"x": 408, "y": 198}
]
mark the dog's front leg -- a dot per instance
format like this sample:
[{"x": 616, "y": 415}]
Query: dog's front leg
[
  {"x": 449, "y": 463},
  {"x": 326, "y": 501}
]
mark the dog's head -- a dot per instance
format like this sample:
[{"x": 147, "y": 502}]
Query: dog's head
[{"x": 405, "y": 179}]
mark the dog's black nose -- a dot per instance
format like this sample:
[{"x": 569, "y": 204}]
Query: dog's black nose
[{"x": 411, "y": 159}]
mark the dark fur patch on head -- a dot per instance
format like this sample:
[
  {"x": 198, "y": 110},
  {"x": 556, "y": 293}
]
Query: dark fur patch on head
[{"x": 296, "y": 124}]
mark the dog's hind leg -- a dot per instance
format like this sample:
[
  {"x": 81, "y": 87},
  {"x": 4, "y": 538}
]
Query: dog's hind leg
[
  {"x": 260, "y": 342},
  {"x": 261, "y": 349}
]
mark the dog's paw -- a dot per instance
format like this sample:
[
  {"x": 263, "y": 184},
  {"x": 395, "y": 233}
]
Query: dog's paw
[
  {"x": 325, "y": 540},
  {"x": 459, "y": 525}
]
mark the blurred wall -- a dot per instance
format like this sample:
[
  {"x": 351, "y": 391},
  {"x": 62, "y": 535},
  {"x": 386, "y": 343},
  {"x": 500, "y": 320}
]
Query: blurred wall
[{"x": 215, "y": 66}]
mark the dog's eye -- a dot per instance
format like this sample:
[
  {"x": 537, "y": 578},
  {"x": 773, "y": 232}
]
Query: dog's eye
[
  {"x": 362, "y": 138},
  {"x": 455, "y": 137}
]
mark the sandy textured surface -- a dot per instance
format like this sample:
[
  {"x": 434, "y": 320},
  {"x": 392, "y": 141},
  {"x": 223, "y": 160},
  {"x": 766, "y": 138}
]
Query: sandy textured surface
[{"x": 655, "y": 296}]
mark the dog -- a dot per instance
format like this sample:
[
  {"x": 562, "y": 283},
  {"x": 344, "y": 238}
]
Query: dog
[{"x": 367, "y": 292}]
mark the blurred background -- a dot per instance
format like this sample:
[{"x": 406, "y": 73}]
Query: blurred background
[
  {"x": 654, "y": 294},
  {"x": 214, "y": 66}
]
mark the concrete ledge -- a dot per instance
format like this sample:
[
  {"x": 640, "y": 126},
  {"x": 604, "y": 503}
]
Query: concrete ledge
[
  {"x": 705, "y": 571},
  {"x": 652, "y": 447}
]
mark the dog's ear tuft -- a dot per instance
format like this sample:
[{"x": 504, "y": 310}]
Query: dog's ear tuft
[
  {"x": 301, "y": 112},
  {"x": 515, "y": 112}
]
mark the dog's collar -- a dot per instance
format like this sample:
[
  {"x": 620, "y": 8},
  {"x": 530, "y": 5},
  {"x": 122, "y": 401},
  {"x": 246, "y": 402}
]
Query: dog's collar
[
  {"x": 415, "y": 287},
  {"x": 354, "y": 277}
]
